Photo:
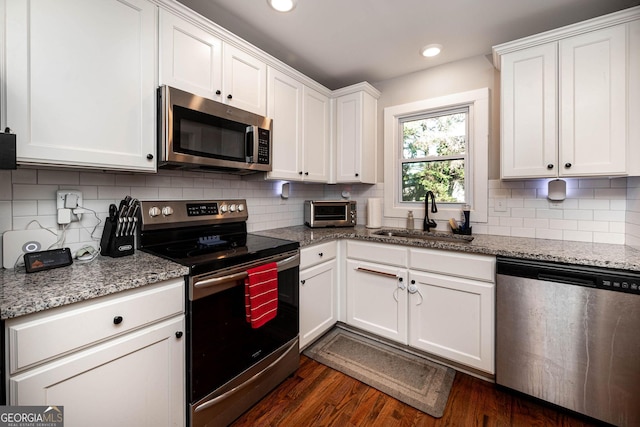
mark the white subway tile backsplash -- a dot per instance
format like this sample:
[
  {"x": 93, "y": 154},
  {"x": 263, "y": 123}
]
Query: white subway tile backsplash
[
  {"x": 594, "y": 204},
  {"x": 60, "y": 177},
  {"x": 97, "y": 178},
  {"x": 577, "y": 236},
  {"x": 6, "y": 192},
  {"x": 34, "y": 192},
  {"x": 25, "y": 208},
  {"x": 595, "y": 210}
]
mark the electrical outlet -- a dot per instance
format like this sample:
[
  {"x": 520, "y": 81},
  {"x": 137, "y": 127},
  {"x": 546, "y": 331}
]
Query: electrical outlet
[
  {"x": 68, "y": 200},
  {"x": 500, "y": 204}
]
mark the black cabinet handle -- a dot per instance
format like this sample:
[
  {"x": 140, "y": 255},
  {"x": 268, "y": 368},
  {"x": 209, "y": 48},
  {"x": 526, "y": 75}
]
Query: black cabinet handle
[
  {"x": 549, "y": 166},
  {"x": 321, "y": 254},
  {"x": 117, "y": 320},
  {"x": 306, "y": 173},
  {"x": 413, "y": 282},
  {"x": 567, "y": 165},
  {"x": 357, "y": 174},
  {"x": 149, "y": 156},
  {"x": 229, "y": 96},
  {"x": 179, "y": 334},
  {"x": 400, "y": 279},
  {"x": 303, "y": 281},
  {"x": 300, "y": 173},
  {"x": 218, "y": 92}
]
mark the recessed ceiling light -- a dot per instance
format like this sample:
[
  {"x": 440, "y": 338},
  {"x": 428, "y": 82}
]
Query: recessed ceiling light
[
  {"x": 431, "y": 50},
  {"x": 282, "y": 5}
]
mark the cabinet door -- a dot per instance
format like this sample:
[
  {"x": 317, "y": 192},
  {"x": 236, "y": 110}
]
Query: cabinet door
[
  {"x": 81, "y": 82},
  {"x": 315, "y": 135},
  {"x": 190, "y": 58},
  {"x": 135, "y": 380},
  {"x": 593, "y": 103},
  {"x": 285, "y": 107},
  {"x": 377, "y": 299},
  {"x": 529, "y": 131},
  {"x": 244, "y": 80},
  {"x": 318, "y": 294},
  {"x": 452, "y": 318},
  {"x": 356, "y": 138}
]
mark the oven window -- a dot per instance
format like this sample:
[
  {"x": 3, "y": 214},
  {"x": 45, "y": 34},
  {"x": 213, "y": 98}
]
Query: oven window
[
  {"x": 331, "y": 213},
  {"x": 201, "y": 134},
  {"x": 223, "y": 344}
]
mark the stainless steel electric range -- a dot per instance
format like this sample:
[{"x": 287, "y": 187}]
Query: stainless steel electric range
[{"x": 230, "y": 365}]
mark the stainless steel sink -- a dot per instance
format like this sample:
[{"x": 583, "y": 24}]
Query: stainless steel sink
[{"x": 425, "y": 235}]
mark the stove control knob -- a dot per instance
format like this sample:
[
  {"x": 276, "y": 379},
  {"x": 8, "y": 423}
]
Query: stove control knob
[
  {"x": 223, "y": 208},
  {"x": 167, "y": 210},
  {"x": 232, "y": 208},
  {"x": 240, "y": 207},
  {"x": 154, "y": 211}
]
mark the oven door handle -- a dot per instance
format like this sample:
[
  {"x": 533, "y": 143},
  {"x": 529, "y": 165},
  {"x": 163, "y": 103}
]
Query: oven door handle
[
  {"x": 284, "y": 264},
  {"x": 247, "y": 383}
]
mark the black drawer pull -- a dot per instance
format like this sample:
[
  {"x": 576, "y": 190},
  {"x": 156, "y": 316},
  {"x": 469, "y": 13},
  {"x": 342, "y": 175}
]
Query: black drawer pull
[
  {"x": 117, "y": 320},
  {"x": 179, "y": 334}
]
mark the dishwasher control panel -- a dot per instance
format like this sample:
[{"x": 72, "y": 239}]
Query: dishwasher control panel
[
  {"x": 571, "y": 274},
  {"x": 622, "y": 284}
]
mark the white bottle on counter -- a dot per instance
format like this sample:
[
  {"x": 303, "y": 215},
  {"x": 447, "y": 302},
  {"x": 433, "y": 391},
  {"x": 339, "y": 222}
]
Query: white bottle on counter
[{"x": 410, "y": 220}]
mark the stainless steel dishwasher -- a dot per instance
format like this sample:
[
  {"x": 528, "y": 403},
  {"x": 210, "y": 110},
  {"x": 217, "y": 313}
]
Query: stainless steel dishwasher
[{"x": 570, "y": 335}]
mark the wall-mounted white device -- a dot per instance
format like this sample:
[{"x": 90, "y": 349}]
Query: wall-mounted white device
[{"x": 68, "y": 203}]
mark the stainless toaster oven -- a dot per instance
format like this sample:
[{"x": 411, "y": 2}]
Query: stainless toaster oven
[{"x": 330, "y": 213}]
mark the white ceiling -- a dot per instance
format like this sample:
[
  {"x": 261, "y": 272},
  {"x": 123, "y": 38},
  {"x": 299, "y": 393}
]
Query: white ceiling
[{"x": 341, "y": 42}]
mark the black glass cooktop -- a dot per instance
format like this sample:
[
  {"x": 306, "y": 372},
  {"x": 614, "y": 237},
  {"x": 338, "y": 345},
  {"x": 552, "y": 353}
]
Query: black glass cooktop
[{"x": 205, "y": 249}]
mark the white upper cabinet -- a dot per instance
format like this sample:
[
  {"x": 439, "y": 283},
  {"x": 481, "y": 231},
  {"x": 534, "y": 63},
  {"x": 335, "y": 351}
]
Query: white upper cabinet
[
  {"x": 193, "y": 58},
  {"x": 80, "y": 82},
  {"x": 190, "y": 57},
  {"x": 315, "y": 135},
  {"x": 566, "y": 98},
  {"x": 300, "y": 129},
  {"x": 529, "y": 112},
  {"x": 356, "y": 129},
  {"x": 593, "y": 82},
  {"x": 244, "y": 80}
]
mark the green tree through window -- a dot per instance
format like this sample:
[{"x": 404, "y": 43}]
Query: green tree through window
[{"x": 434, "y": 154}]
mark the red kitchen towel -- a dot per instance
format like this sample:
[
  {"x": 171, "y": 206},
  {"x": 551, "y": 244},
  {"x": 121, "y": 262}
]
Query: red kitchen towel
[{"x": 261, "y": 294}]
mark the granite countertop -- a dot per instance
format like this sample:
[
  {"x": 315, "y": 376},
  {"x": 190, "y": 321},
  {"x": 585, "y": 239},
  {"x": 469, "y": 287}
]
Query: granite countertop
[
  {"x": 591, "y": 254},
  {"x": 22, "y": 293},
  {"x": 29, "y": 293}
]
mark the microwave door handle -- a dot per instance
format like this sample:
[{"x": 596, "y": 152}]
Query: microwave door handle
[{"x": 252, "y": 141}]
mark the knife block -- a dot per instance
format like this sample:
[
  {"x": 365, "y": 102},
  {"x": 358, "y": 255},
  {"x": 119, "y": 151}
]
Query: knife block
[{"x": 115, "y": 246}]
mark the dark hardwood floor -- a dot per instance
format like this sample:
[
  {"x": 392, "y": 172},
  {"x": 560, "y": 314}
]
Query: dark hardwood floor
[{"x": 320, "y": 396}]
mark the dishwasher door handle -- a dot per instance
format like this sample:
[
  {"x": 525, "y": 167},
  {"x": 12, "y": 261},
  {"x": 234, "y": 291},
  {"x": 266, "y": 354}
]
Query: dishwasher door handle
[{"x": 569, "y": 280}]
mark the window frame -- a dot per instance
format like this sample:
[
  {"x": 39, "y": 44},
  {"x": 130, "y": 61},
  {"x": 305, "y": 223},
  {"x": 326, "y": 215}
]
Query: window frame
[
  {"x": 476, "y": 192},
  {"x": 465, "y": 157}
]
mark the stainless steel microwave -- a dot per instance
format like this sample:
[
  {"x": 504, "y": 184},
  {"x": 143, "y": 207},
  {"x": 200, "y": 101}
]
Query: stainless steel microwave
[
  {"x": 196, "y": 132},
  {"x": 330, "y": 213}
]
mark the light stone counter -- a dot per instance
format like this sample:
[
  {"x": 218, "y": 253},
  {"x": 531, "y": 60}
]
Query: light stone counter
[
  {"x": 28, "y": 293},
  {"x": 592, "y": 254}
]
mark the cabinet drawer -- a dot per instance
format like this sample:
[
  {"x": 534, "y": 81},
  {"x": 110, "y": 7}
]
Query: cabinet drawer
[
  {"x": 79, "y": 325},
  {"x": 313, "y": 255},
  {"x": 377, "y": 253},
  {"x": 472, "y": 266}
]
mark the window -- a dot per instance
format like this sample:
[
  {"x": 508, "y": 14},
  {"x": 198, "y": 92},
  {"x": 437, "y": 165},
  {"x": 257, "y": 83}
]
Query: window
[
  {"x": 441, "y": 145},
  {"x": 434, "y": 156}
]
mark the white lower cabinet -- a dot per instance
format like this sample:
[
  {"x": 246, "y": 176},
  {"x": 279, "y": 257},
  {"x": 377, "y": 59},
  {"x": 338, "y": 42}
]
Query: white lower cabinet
[
  {"x": 453, "y": 318},
  {"x": 377, "y": 299},
  {"x": 318, "y": 291},
  {"x": 131, "y": 377},
  {"x": 441, "y": 302}
]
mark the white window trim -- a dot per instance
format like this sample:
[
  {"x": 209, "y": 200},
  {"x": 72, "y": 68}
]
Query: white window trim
[{"x": 478, "y": 102}]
